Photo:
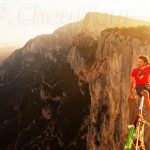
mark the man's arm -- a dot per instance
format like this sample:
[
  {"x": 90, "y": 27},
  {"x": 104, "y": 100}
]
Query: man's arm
[{"x": 132, "y": 87}]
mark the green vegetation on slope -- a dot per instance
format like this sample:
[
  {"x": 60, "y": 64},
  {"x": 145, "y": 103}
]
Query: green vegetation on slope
[{"x": 140, "y": 32}]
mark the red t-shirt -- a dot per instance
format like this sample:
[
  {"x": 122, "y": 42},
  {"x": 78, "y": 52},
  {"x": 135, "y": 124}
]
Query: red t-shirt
[{"x": 141, "y": 75}]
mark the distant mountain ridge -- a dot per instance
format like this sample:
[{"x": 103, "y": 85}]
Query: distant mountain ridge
[
  {"x": 95, "y": 22},
  {"x": 6, "y": 52}
]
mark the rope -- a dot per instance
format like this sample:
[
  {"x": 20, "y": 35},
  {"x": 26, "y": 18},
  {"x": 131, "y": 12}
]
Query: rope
[
  {"x": 139, "y": 127},
  {"x": 139, "y": 123}
]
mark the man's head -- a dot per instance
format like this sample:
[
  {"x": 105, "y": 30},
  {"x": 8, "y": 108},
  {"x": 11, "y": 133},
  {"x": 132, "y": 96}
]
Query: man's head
[{"x": 142, "y": 61}]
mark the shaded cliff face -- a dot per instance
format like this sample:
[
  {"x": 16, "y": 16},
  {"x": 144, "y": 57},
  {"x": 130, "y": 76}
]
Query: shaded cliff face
[
  {"x": 111, "y": 111},
  {"x": 42, "y": 102},
  {"x": 69, "y": 90}
]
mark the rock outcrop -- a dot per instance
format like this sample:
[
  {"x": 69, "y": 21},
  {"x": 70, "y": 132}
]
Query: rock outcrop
[{"x": 108, "y": 78}]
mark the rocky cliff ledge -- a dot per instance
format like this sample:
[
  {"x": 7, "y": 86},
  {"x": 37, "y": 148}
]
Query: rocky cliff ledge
[{"x": 112, "y": 56}]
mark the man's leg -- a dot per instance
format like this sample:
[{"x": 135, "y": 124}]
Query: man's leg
[{"x": 146, "y": 100}]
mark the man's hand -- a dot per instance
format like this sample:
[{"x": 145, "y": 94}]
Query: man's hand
[{"x": 132, "y": 96}]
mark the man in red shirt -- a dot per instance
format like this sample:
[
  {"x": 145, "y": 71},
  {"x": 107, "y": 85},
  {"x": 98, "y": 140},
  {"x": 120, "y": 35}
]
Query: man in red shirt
[{"x": 140, "y": 80}]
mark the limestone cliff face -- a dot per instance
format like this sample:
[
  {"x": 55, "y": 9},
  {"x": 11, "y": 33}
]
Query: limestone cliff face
[{"x": 108, "y": 77}]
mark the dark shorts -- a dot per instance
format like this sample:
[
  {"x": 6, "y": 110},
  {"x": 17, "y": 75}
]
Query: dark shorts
[{"x": 139, "y": 89}]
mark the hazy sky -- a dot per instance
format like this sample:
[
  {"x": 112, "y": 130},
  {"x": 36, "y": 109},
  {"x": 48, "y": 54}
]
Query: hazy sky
[{"x": 21, "y": 20}]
